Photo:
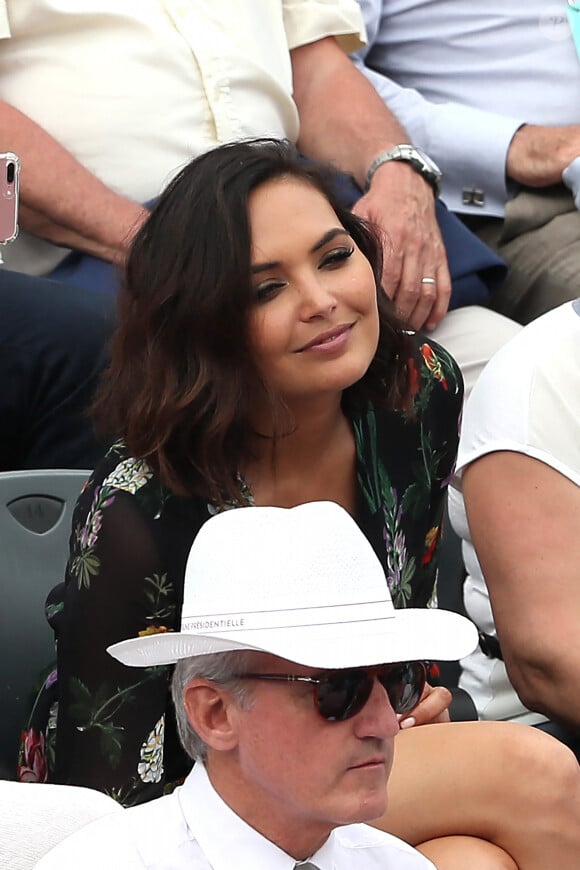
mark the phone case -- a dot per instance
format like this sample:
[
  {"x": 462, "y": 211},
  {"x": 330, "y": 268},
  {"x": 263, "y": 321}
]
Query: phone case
[{"x": 9, "y": 178}]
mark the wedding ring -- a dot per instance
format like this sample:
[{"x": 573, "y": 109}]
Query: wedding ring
[{"x": 428, "y": 281}]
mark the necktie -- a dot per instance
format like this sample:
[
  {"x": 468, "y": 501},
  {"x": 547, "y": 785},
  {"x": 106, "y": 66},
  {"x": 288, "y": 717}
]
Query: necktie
[{"x": 305, "y": 866}]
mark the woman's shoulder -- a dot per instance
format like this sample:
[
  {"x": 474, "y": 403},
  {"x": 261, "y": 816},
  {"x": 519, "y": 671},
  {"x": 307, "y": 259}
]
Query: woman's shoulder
[
  {"x": 119, "y": 473},
  {"x": 435, "y": 387},
  {"x": 126, "y": 473},
  {"x": 437, "y": 368}
]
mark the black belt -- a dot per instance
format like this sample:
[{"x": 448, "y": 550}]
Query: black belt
[{"x": 490, "y": 646}]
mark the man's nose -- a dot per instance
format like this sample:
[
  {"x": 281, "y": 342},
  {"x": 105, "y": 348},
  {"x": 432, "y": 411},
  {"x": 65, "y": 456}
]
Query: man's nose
[{"x": 377, "y": 718}]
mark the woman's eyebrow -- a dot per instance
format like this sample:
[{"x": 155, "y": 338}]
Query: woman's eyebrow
[{"x": 327, "y": 237}]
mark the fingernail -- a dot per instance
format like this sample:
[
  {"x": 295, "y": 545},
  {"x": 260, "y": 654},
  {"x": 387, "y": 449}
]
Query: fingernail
[{"x": 408, "y": 722}]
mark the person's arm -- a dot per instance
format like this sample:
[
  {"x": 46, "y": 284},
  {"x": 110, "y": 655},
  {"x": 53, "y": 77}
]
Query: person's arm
[
  {"x": 344, "y": 121},
  {"x": 469, "y": 145},
  {"x": 60, "y": 200},
  {"x": 111, "y": 718},
  {"x": 476, "y": 147},
  {"x": 538, "y": 156},
  {"x": 524, "y": 518}
]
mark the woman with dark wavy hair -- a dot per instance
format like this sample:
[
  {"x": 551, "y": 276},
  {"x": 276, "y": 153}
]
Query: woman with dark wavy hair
[
  {"x": 184, "y": 382},
  {"x": 257, "y": 361}
]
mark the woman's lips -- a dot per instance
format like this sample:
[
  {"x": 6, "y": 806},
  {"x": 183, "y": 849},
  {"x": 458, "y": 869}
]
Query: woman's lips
[{"x": 330, "y": 340}]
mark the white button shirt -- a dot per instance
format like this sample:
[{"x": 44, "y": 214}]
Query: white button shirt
[
  {"x": 135, "y": 88},
  {"x": 193, "y": 829},
  {"x": 462, "y": 77}
]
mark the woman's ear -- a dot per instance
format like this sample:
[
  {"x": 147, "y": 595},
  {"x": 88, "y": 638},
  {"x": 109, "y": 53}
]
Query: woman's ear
[{"x": 211, "y": 709}]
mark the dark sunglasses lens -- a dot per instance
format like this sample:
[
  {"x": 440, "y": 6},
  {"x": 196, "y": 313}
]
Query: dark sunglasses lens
[
  {"x": 342, "y": 695},
  {"x": 404, "y": 684}
]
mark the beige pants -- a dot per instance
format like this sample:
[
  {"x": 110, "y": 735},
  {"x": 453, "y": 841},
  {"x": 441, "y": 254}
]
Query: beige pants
[
  {"x": 539, "y": 238},
  {"x": 472, "y": 335}
]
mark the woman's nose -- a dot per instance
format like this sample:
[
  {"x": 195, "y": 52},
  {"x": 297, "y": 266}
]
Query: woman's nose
[{"x": 316, "y": 298}]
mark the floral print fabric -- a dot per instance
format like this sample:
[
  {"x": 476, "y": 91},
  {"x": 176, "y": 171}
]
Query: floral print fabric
[{"x": 129, "y": 545}]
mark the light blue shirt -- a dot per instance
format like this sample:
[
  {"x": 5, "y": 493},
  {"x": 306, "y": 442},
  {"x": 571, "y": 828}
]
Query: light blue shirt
[
  {"x": 193, "y": 829},
  {"x": 462, "y": 77}
]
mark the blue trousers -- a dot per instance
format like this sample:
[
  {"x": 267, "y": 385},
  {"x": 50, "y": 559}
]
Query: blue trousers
[{"x": 52, "y": 351}]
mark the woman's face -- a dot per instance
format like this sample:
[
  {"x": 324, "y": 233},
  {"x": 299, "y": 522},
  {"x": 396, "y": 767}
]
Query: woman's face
[{"x": 314, "y": 324}]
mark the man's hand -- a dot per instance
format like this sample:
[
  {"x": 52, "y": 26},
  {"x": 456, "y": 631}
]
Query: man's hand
[
  {"x": 348, "y": 124},
  {"x": 401, "y": 203},
  {"x": 537, "y": 156},
  {"x": 433, "y": 707}
]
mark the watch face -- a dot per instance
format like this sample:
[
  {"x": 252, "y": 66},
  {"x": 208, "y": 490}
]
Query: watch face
[
  {"x": 429, "y": 164},
  {"x": 415, "y": 157}
]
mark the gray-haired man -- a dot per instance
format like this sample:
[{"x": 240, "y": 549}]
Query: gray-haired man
[{"x": 287, "y": 696}]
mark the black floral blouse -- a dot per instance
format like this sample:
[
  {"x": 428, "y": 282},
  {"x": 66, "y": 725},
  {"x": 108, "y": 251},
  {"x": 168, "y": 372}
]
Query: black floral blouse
[{"x": 111, "y": 727}]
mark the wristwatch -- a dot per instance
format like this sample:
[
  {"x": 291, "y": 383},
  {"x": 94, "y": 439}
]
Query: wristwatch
[{"x": 415, "y": 157}]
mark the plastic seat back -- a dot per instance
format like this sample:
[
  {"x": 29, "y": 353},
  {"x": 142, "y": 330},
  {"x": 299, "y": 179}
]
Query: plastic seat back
[{"x": 35, "y": 522}]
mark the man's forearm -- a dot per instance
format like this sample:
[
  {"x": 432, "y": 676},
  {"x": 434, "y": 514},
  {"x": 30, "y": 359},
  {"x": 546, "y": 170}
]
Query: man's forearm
[
  {"x": 538, "y": 155},
  {"x": 61, "y": 200},
  {"x": 342, "y": 118}
]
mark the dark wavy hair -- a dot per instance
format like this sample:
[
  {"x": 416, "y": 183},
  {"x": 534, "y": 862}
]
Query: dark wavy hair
[{"x": 181, "y": 374}]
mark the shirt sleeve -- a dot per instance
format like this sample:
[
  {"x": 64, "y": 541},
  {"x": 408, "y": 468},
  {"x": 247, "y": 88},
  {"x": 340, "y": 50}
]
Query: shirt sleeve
[
  {"x": 5, "y": 32},
  {"x": 469, "y": 145},
  {"x": 527, "y": 399},
  {"x": 307, "y": 21},
  {"x": 111, "y": 718}
]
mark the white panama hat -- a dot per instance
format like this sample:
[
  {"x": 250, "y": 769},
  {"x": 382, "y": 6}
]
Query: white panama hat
[{"x": 303, "y": 584}]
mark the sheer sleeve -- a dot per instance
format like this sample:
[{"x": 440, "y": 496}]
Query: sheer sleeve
[
  {"x": 438, "y": 412},
  {"x": 112, "y": 718},
  {"x": 405, "y": 461}
]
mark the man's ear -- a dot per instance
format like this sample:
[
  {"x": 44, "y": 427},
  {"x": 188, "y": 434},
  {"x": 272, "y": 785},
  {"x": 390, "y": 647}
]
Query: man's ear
[{"x": 211, "y": 712}]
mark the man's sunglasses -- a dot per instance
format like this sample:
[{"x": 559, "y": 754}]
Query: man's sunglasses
[{"x": 339, "y": 695}]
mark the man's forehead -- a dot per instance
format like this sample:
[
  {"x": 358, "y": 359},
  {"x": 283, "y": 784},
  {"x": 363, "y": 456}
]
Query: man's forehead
[{"x": 262, "y": 662}]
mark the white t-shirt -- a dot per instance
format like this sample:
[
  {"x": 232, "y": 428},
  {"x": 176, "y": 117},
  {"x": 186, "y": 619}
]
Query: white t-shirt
[
  {"x": 193, "y": 829},
  {"x": 527, "y": 400},
  {"x": 135, "y": 88}
]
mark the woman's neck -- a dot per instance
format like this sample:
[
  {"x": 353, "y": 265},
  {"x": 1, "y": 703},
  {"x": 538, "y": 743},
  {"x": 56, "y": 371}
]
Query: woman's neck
[
  {"x": 304, "y": 430},
  {"x": 314, "y": 461}
]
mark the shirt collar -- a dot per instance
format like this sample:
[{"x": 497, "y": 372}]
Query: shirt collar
[{"x": 226, "y": 839}]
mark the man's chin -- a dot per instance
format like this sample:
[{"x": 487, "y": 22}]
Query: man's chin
[{"x": 368, "y": 810}]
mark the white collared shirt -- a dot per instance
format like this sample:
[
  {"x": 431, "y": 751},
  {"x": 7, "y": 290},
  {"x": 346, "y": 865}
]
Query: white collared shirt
[
  {"x": 193, "y": 829},
  {"x": 135, "y": 88}
]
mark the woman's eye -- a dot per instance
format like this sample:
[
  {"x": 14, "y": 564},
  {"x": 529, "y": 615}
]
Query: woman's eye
[
  {"x": 336, "y": 257},
  {"x": 267, "y": 290}
]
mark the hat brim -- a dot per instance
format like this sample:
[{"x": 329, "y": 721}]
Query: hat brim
[{"x": 411, "y": 635}]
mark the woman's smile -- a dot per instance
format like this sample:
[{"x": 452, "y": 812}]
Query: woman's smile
[{"x": 332, "y": 341}]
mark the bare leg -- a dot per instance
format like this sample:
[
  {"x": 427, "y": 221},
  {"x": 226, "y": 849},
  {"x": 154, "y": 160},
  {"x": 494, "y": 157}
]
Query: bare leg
[
  {"x": 509, "y": 784},
  {"x": 457, "y": 853}
]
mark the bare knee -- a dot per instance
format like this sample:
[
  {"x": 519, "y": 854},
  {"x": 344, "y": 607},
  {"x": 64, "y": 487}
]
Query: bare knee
[
  {"x": 547, "y": 763},
  {"x": 541, "y": 799},
  {"x": 457, "y": 853},
  {"x": 559, "y": 773}
]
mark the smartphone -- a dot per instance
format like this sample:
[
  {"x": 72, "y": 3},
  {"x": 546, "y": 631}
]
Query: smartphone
[{"x": 9, "y": 177}]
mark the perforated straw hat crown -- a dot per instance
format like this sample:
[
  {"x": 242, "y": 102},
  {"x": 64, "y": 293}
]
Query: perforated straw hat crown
[{"x": 301, "y": 583}]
